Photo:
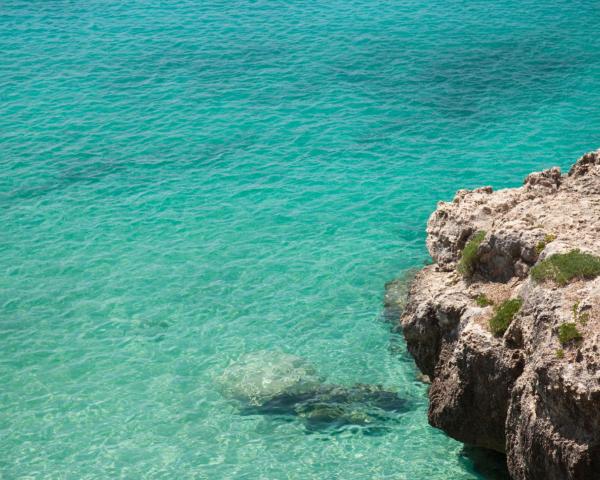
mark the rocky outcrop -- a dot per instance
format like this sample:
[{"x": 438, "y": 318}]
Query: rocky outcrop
[{"x": 522, "y": 392}]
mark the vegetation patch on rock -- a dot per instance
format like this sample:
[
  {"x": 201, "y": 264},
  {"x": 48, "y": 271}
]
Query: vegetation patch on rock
[
  {"x": 568, "y": 332},
  {"x": 579, "y": 316},
  {"x": 469, "y": 254},
  {"x": 564, "y": 267},
  {"x": 483, "y": 301},
  {"x": 504, "y": 315},
  {"x": 542, "y": 243}
]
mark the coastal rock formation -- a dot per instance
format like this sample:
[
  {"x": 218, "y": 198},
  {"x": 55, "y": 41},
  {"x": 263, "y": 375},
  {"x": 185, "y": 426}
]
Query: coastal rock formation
[{"x": 519, "y": 376}]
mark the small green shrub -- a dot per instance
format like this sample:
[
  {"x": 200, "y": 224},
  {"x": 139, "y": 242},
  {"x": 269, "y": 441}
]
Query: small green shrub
[
  {"x": 564, "y": 267},
  {"x": 483, "y": 301},
  {"x": 504, "y": 315},
  {"x": 568, "y": 332},
  {"x": 560, "y": 353},
  {"x": 469, "y": 254},
  {"x": 584, "y": 318},
  {"x": 542, "y": 243}
]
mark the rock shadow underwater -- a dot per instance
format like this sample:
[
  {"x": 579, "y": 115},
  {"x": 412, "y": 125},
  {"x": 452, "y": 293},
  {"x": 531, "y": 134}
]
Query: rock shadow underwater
[{"x": 282, "y": 385}]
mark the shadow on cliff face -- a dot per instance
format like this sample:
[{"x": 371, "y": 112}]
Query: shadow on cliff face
[
  {"x": 286, "y": 387},
  {"x": 489, "y": 464}
]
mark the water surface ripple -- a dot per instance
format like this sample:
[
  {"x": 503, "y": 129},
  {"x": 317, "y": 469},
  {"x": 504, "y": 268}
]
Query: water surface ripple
[{"x": 182, "y": 183}]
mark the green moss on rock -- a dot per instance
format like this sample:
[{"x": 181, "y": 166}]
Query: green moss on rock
[
  {"x": 504, "y": 315},
  {"x": 581, "y": 317},
  {"x": 468, "y": 256},
  {"x": 542, "y": 243},
  {"x": 568, "y": 332},
  {"x": 564, "y": 267},
  {"x": 482, "y": 300}
]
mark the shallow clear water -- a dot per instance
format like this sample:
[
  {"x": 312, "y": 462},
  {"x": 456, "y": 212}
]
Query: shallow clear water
[{"x": 185, "y": 182}]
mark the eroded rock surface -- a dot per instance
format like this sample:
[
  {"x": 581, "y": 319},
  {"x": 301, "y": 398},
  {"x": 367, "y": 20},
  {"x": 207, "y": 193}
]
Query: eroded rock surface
[{"x": 523, "y": 393}]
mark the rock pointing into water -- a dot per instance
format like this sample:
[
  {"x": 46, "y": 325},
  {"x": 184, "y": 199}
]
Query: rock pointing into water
[{"x": 507, "y": 321}]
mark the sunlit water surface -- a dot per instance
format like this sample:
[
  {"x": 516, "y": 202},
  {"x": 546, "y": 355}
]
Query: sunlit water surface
[{"x": 182, "y": 183}]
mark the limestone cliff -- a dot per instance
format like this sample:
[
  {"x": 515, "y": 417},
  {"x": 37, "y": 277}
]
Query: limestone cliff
[{"x": 532, "y": 389}]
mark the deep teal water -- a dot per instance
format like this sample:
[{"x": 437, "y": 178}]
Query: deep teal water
[{"x": 185, "y": 182}]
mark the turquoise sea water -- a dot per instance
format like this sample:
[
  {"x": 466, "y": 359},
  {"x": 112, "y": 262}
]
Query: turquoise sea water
[{"x": 185, "y": 182}]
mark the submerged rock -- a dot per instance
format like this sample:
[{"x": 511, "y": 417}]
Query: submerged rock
[
  {"x": 273, "y": 383},
  {"x": 396, "y": 295},
  {"x": 262, "y": 377}
]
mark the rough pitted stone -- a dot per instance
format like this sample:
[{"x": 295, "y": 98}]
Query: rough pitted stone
[
  {"x": 513, "y": 393},
  {"x": 586, "y": 164},
  {"x": 550, "y": 178}
]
